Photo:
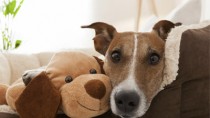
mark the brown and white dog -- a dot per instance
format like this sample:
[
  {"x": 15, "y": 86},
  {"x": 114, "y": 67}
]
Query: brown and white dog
[{"x": 134, "y": 61}]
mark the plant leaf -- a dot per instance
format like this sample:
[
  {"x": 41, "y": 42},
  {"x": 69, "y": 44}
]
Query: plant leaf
[
  {"x": 9, "y": 7},
  {"x": 17, "y": 43},
  {"x": 18, "y": 8},
  {"x": 12, "y": 6},
  {"x": 6, "y": 12}
]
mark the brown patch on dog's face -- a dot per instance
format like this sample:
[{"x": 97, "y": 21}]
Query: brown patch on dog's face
[
  {"x": 148, "y": 77},
  {"x": 121, "y": 43}
]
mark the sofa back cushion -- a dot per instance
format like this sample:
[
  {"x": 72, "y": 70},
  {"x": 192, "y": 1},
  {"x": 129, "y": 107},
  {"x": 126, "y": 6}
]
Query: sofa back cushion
[
  {"x": 5, "y": 72},
  {"x": 13, "y": 65}
]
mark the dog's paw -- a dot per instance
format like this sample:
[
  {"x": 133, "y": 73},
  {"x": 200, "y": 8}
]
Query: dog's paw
[{"x": 29, "y": 75}]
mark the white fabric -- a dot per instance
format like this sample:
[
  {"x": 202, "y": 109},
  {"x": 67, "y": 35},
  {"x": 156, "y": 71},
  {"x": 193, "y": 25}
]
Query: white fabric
[
  {"x": 13, "y": 65},
  {"x": 7, "y": 109},
  {"x": 19, "y": 63},
  {"x": 205, "y": 10},
  {"x": 149, "y": 24},
  {"x": 187, "y": 13},
  {"x": 5, "y": 71},
  {"x": 172, "y": 47}
]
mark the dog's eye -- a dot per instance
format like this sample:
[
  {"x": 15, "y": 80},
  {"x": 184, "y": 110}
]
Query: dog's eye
[
  {"x": 115, "y": 56},
  {"x": 154, "y": 58},
  {"x": 93, "y": 71},
  {"x": 68, "y": 79}
]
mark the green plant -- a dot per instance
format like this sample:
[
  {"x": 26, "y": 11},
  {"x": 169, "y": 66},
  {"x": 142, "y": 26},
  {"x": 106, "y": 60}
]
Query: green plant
[{"x": 9, "y": 9}]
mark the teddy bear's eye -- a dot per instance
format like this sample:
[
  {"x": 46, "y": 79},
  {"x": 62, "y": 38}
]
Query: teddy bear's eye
[
  {"x": 68, "y": 79},
  {"x": 93, "y": 71}
]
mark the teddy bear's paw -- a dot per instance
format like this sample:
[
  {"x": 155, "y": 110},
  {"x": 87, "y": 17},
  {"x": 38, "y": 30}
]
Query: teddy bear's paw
[{"x": 30, "y": 74}]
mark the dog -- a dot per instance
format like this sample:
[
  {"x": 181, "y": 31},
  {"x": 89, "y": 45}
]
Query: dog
[{"x": 134, "y": 61}]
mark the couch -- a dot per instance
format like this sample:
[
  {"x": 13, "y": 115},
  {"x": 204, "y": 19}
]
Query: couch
[
  {"x": 186, "y": 97},
  {"x": 13, "y": 65}
]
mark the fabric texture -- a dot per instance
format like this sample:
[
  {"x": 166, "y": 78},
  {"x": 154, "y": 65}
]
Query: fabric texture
[
  {"x": 108, "y": 114},
  {"x": 188, "y": 95},
  {"x": 13, "y": 65},
  {"x": 189, "y": 12},
  {"x": 40, "y": 99},
  {"x": 172, "y": 51}
]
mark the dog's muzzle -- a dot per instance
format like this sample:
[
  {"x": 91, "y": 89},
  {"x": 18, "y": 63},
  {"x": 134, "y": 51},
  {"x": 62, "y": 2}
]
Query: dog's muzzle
[{"x": 127, "y": 102}]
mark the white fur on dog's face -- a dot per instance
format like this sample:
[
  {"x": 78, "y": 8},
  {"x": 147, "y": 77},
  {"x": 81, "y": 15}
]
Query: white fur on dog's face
[
  {"x": 134, "y": 74},
  {"x": 129, "y": 84}
]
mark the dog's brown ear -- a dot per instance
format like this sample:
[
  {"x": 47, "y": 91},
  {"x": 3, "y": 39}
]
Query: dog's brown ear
[
  {"x": 104, "y": 35},
  {"x": 40, "y": 99},
  {"x": 163, "y": 27}
]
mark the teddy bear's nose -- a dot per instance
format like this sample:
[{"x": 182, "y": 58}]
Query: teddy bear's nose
[{"x": 96, "y": 89}]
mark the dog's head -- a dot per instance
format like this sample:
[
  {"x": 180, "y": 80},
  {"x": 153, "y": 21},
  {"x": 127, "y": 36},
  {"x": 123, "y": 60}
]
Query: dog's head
[{"x": 134, "y": 62}]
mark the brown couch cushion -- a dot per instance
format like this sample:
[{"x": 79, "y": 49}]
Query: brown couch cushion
[
  {"x": 108, "y": 114},
  {"x": 188, "y": 95},
  {"x": 7, "y": 115}
]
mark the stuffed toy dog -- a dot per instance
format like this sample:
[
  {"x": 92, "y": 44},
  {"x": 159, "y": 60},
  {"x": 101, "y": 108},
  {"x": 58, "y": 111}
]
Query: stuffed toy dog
[{"x": 72, "y": 83}]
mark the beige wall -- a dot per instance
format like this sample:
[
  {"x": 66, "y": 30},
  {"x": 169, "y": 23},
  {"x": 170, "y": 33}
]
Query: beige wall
[
  {"x": 48, "y": 27},
  {"x": 156, "y": 8},
  {"x": 205, "y": 10},
  {"x": 185, "y": 11},
  {"x": 120, "y": 13},
  {"x": 159, "y": 8}
]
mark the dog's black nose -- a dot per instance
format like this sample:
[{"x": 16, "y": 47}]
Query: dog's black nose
[{"x": 127, "y": 101}]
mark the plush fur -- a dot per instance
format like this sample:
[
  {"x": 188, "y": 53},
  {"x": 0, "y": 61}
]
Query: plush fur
[
  {"x": 86, "y": 95},
  {"x": 45, "y": 105},
  {"x": 172, "y": 47},
  {"x": 3, "y": 89}
]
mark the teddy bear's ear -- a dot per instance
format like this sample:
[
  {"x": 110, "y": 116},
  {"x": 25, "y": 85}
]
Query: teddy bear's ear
[
  {"x": 101, "y": 63},
  {"x": 40, "y": 99}
]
